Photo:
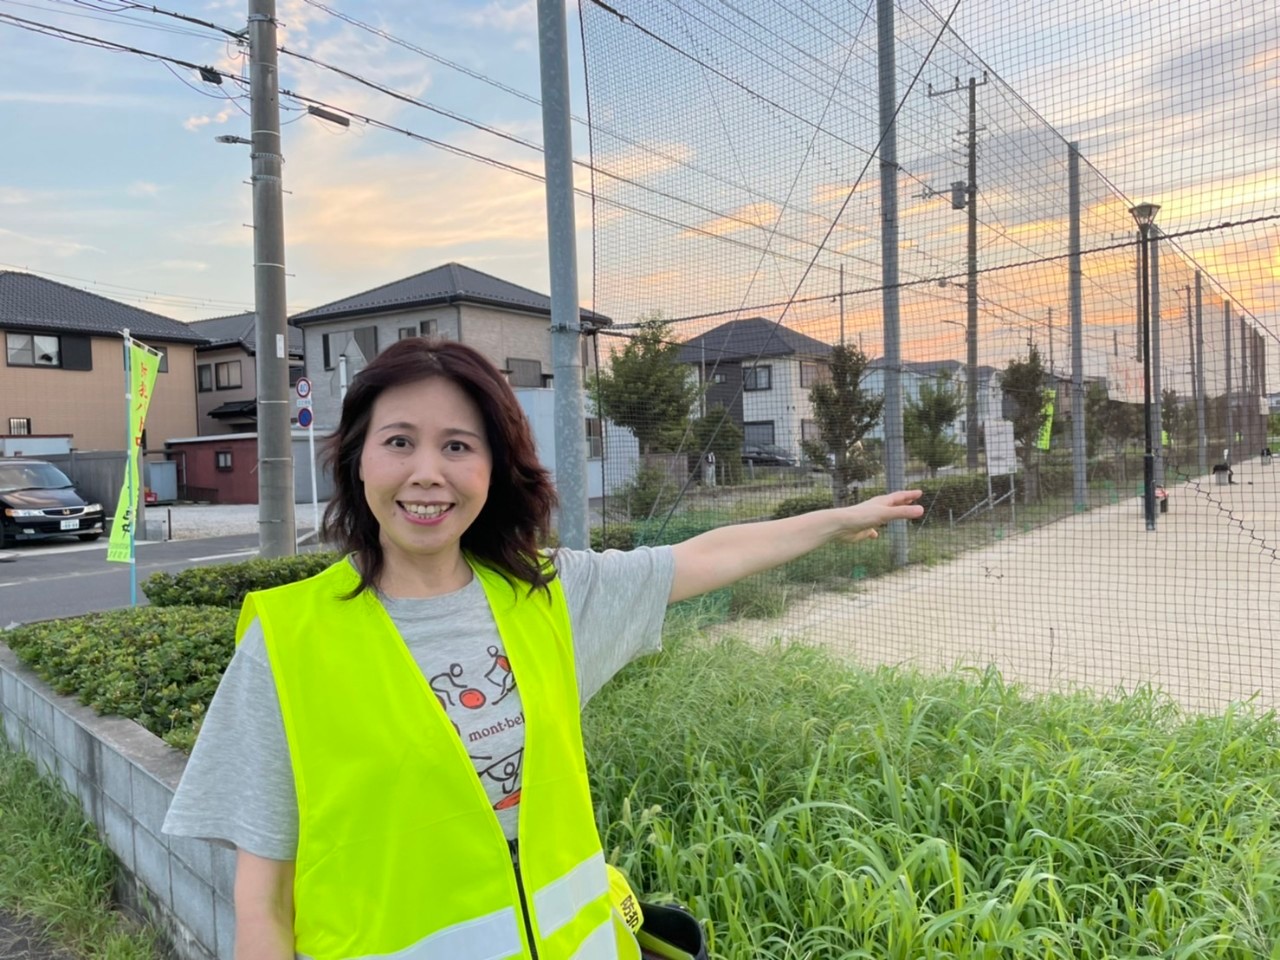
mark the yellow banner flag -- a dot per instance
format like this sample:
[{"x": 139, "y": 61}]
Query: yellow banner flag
[
  {"x": 143, "y": 367},
  {"x": 1046, "y": 431}
]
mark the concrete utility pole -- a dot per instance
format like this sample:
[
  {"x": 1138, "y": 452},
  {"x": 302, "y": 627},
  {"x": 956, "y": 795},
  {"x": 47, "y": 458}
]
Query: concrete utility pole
[
  {"x": 894, "y": 440},
  {"x": 1231, "y": 416},
  {"x": 566, "y": 317},
  {"x": 275, "y": 440},
  {"x": 966, "y": 195},
  {"x": 1202, "y": 437}
]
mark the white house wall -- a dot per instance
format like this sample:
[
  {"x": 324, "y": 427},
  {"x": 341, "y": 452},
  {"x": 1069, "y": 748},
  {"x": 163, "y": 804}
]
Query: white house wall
[
  {"x": 786, "y": 403},
  {"x": 621, "y": 449}
]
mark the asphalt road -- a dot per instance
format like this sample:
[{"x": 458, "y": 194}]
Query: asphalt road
[{"x": 41, "y": 581}]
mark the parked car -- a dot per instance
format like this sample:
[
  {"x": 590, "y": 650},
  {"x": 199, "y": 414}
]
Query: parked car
[
  {"x": 37, "y": 501},
  {"x": 767, "y": 455}
]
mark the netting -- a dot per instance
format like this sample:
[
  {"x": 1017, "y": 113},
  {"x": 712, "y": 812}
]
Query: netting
[{"x": 739, "y": 239}]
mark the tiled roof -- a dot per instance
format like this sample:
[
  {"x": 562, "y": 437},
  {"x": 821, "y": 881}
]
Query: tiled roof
[
  {"x": 240, "y": 328},
  {"x": 450, "y": 283},
  {"x": 30, "y": 302},
  {"x": 750, "y": 338}
]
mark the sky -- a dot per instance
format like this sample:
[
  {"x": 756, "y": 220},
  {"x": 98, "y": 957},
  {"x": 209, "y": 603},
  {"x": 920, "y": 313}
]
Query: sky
[{"x": 111, "y": 178}]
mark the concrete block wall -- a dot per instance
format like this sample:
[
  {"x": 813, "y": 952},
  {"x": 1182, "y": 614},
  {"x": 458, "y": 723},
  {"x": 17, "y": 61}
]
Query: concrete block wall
[{"x": 124, "y": 778}]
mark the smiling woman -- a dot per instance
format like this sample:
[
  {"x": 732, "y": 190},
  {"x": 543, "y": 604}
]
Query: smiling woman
[{"x": 396, "y": 748}]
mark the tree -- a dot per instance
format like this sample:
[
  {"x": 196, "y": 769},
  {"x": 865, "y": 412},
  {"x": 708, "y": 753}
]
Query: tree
[
  {"x": 717, "y": 433},
  {"x": 1023, "y": 383},
  {"x": 844, "y": 413},
  {"x": 647, "y": 389},
  {"x": 926, "y": 420}
]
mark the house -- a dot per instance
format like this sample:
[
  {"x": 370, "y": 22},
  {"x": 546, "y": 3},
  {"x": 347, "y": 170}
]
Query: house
[
  {"x": 761, "y": 372},
  {"x": 508, "y": 323},
  {"x": 227, "y": 373},
  {"x": 916, "y": 373},
  {"x": 64, "y": 366}
]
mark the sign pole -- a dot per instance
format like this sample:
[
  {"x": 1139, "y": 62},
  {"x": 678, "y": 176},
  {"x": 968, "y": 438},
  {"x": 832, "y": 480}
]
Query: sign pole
[
  {"x": 128, "y": 471},
  {"x": 306, "y": 418}
]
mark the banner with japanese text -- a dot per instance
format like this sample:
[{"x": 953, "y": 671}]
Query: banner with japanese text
[
  {"x": 1046, "y": 431},
  {"x": 143, "y": 367}
]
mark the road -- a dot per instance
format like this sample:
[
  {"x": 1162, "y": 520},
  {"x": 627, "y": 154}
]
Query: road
[{"x": 41, "y": 581}]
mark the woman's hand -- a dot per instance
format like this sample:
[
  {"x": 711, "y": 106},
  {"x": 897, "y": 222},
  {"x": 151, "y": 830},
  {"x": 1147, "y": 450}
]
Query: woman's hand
[{"x": 860, "y": 522}]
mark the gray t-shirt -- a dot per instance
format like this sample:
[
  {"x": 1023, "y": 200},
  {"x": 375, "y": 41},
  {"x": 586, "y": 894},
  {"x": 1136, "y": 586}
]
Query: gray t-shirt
[{"x": 238, "y": 785}]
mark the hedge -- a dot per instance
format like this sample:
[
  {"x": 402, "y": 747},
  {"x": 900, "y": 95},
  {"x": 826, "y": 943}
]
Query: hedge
[
  {"x": 156, "y": 665},
  {"x": 225, "y": 585}
]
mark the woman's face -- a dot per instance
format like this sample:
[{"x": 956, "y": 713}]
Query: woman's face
[{"x": 425, "y": 465}]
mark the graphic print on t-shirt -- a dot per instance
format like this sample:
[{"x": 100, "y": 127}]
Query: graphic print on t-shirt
[{"x": 471, "y": 710}]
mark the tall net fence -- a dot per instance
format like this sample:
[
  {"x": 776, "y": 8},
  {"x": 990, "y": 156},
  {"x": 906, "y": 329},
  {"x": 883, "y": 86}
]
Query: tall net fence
[{"x": 1044, "y": 340}]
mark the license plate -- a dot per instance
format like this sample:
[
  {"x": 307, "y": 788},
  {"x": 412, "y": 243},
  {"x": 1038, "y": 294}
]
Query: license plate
[{"x": 70, "y": 524}]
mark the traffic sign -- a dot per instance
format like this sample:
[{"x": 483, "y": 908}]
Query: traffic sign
[
  {"x": 303, "y": 387},
  {"x": 304, "y": 417}
]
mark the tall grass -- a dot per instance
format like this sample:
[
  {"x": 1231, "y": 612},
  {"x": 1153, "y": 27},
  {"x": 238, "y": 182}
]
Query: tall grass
[
  {"x": 56, "y": 873},
  {"x": 809, "y": 810}
]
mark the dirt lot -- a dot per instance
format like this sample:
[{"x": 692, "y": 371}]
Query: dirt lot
[{"x": 1093, "y": 600}]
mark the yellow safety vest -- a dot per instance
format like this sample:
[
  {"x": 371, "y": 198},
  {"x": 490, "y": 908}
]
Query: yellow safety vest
[{"x": 399, "y": 850}]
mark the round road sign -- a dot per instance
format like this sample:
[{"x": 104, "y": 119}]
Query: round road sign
[
  {"x": 303, "y": 387},
  {"x": 304, "y": 417}
]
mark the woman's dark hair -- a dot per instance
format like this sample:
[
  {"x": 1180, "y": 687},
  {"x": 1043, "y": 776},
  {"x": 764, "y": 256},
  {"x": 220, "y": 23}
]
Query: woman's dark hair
[{"x": 517, "y": 514}]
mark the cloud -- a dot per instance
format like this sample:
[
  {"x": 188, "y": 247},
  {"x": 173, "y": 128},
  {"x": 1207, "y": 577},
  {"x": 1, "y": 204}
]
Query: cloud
[
  {"x": 195, "y": 122},
  {"x": 520, "y": 17},
  {"x": 194, "y": 266},
  {"x": 59, "y": 248},
  {"x": 141, "y": 188}
]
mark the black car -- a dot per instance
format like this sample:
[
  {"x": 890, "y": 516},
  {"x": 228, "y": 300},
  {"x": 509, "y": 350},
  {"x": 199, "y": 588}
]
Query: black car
[
  {"x": 37, "y": 501},
  {"x": 767, "y": 455}
]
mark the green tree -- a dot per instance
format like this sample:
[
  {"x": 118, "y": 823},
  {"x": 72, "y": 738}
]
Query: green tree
[
  {"x": 926, "y": 421},
  {"x": 844, "y": 413},
  {"x": 724, "y": 439},
  {"x": 646, "y": 389},
  {"x": 1023, "y": 382}
]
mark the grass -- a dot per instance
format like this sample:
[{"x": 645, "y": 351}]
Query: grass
[
  {"x": 55, "y": 872},
  {"x": 805, "y": 809}
]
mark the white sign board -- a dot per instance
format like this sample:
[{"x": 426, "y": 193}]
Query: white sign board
[{"x": 1002, "y": 456}]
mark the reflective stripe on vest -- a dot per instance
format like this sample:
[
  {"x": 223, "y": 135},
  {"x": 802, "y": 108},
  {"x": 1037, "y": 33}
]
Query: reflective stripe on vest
[{"x": 400, "y": 854}]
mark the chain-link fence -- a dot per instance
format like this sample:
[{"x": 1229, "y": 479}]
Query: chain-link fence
[{"x": 1042, "y": 341}]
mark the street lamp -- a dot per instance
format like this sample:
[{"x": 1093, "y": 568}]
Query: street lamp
[{"x": 1145, "y": 214}]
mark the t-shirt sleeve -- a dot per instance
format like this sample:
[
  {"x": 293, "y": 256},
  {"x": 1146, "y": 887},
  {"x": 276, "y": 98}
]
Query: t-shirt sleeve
[
  {"x": 617, "y": 603},
  {"x": 238, "y": 786}
]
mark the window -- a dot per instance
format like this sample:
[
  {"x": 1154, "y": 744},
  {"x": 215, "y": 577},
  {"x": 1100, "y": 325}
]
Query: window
[
  {"x": 164, "y": 358},
  {"x": 204, "y": 377},
  {"x": 325, "y": 349},
  {"x": 595, "y": 438},
  {"x": 524, "y": 373},
  {"x": 758, "y": 433},
  {"x": 406, "y": 333},
  {"x": 33, "y": 350},
  {"x": 222, "y": 460},
  {"x": 718, "y": 377},
  {"x": 427, "y": 328},
  {"x": 811, "y": 373},
  {"x": 20, "y": 426},
  {"x": 809, "y": 430},
  {"x": 227, "y": 374},
  {"x": 757, "y": 378},
  {"x": 367, "y": 340}
]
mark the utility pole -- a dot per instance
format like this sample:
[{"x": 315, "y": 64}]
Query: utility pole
[
  {"x": 966, "y": 195},
  {"x": 1079, "y": 446},
  {"x": 275, "y": 440},
  {"x": 566, "y": 315},
  {"x": 1231, "y": 417},
  {"x": 1202, "y": 437},
  {"x": 842, "y": 304},
  {"x": 894, "y": 445},
  {"x": 1157, "y": 397}
]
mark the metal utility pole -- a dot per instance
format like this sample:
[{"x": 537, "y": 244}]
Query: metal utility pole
[
  {"x": 1079, "y": 467},
  {"x": 566, "y": 317},
  {"x": 966, "y": 195},
  {"x": 1157, "y": 410},
  {"x": 1246, "y": 418},
  {"x": 275, "y": 441},
  {"x": 842, "y": 304},
  {"x": 895, "y": 451},
  {"x": 1231, "y": 418},
  {"x": 1202, "y": 437},
  {"x": 1145, "y": 214}
]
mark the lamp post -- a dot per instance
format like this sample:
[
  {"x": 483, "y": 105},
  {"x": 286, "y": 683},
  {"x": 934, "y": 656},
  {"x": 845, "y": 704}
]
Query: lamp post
[{"x": 1145, "y": 214}]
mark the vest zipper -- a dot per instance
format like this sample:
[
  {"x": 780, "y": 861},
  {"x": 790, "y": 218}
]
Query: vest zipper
[{"x": 514, "y": 846}]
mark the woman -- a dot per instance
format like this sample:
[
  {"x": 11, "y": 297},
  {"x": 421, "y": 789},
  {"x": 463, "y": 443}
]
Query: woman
[{"x": 394, "y": 750}]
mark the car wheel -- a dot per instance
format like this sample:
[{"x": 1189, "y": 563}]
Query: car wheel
[{"x": 88, "y": 537}]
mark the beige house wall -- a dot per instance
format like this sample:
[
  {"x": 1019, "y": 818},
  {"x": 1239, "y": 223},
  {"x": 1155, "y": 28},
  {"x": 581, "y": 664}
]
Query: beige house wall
[
  {"x": 207, "y": 401},
  {"x": 90, "y": 404}
]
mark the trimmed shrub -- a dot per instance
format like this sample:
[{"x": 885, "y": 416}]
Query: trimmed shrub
[
  {"x": 794, "y": 506},
  {"x": 158, "y": 666},
  {"x": 226, "y": 584},
  {"x": 615, "y": 536}
]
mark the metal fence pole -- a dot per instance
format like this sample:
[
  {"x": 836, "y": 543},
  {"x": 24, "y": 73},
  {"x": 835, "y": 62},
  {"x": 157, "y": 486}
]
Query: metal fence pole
[{"x": 1079, "y": 465}]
